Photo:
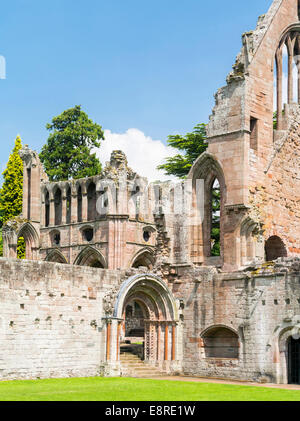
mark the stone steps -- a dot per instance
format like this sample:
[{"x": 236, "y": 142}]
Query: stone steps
[{"x": 133, "y": 366}]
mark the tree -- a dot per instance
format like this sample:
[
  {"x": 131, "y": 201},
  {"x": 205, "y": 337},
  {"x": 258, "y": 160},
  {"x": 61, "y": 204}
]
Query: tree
[
  {"x": 68, "y": 151},
  {"x": 192, "y": 145},
  {"x": 11, "y": 193}
]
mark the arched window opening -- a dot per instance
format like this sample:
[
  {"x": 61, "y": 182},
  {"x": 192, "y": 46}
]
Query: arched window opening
[
  {"x": 145, "y": 260},
  {"x": 88, "y": 234},
  {"x": 134, "y": 322},
  {"x": 275, "y": 249},
  {"x": 90, "y": 257},
  {"x": 91, "y": 192},
  {"x": 21, "y": 248},
  {"x": 55, "y": 238},
  {"x": 221, "y": 342},
  {"x": 47, "y": 209},
  {"x": 286, "y": 80},
  {"x": 69, "y": 205},
  {"x": 79, "y": 204},
  {"x": 215, "y": 231},
  {"x": 58, "y": 207}
]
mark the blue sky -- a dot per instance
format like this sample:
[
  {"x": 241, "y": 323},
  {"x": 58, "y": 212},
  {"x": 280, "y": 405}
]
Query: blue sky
[{"x": 152, "y": 66}]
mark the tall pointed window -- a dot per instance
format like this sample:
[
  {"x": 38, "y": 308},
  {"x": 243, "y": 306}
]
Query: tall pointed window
[
  {"x": 58, "y": 207},
  {"x": 215, "y": 218},
  {"x": 79, "y": 204},
  {"x": 47, "y": 209},
  {"x": 91, "y": 192},
  {"x": 69, "y": 204}
]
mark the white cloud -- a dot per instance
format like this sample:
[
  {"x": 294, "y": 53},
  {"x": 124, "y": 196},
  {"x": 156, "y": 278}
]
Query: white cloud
[{"x": 143, "y": 153}]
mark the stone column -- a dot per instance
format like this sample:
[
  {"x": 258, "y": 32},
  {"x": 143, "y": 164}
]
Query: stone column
[
  {"x": 84, "y": 205},
  {"x": 173, "y": 342},
  {"x": 74, "y": 210},
  {"x": 290, "y": 46},
  {"x": 108, "y": 339},
  {"x": 63, "y": 207},
  {"x": 166, "y": 342},
  {"x": 52, "y": 211}
]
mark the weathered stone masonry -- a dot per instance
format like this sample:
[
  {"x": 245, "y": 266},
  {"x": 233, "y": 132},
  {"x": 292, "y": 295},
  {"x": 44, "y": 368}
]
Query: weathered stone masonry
[{"x": 100, "y": 246}]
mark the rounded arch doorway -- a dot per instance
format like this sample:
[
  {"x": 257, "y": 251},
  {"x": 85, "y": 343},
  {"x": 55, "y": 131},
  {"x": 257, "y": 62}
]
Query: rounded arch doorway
[{"x": 148, "y": 320}]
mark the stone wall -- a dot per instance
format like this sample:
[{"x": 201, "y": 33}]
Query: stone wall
[
  {"x": 261, "y": 305},
  {"x": 51, "y": 319}
]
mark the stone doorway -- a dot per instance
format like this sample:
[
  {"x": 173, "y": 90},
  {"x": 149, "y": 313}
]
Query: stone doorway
[
  {"x": 145, "y": 318},
  {"x": 293, "y": 361}
]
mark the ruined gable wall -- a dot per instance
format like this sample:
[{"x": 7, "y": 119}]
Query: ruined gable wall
[
  {"x": 260, "y": 88},
  {"x": 276, "y": 200}
]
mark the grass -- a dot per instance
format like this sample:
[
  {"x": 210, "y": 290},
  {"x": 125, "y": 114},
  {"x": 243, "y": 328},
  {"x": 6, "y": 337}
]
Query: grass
[{"x": 123, "y": 389}]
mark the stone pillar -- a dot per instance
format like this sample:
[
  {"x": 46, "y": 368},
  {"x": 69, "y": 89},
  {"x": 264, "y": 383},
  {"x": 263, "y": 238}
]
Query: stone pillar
[
  {"x": 74, "y": 210},
  {"x": 108, "y": 340},
  {"x": 84, "y": 205},
  {"x": 166, "y": 342},
  {"x": 173, "y": 342},
  {"x": 64, "y": 207},
  {"x": 52, "y": 211},
  {"x": 118, "y": 341}
]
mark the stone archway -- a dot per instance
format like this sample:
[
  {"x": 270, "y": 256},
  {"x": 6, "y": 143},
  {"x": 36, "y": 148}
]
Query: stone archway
[{"x": 159, "y": 327}]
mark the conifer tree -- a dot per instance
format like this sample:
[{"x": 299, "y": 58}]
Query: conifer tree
[{"x": 11, "y": 193}]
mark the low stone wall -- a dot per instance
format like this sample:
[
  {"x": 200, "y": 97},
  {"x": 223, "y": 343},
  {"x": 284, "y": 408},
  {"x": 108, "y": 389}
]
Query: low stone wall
[{"x": 51, "y": 319}]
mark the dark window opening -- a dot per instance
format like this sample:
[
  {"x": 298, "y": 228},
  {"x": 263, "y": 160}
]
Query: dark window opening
[
  {"x": 275, "y": 249},
  {"x": 88, "y": 234},
  {"x": 253, "y": 133},
  {"x": 147, "y": 236},
  {"x": 58, "y": 207},
  {"x": 221, "y": 343},
  {"x": 79, "y": 204},
  {"x": 47, "y": 210},
  {"x": 69, "y": 204},
  {"x": 215, "y": 234},
  {"x": 56, "y": 239},
  {"x": 91, "y": 202},
  {"x": 298, "y": 9}
]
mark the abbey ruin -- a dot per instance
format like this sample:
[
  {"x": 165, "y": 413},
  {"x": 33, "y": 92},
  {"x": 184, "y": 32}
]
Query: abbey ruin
[{"x": 117, "y": 266}]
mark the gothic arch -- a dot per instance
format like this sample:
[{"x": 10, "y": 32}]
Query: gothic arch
[
  {"x": 250, "y": 240},
  {"x": 143, "y": 258},
  {"x": 56, "y": 256},
  {"x": 92, "y": 257},
  {"x": 203, "y": 175},
  {"x": 28, "y": 232}
]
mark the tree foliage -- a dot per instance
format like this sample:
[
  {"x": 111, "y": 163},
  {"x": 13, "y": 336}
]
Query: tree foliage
[
  {"x": 192, "y": 145},
  {"x": 11, "y": 193},
  {"x": 216, "y": 220},
  {"x": 68, "y": 151}
]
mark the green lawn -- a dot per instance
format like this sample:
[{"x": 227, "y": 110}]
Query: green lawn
[{"x": 122, "y": 389}]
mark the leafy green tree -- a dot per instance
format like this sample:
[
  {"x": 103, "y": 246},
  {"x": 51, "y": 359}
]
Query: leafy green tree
[
  {"x": 68, "y": 151},
  {"x": 192, "y": 146},
  {"x": 21, "y": 248},
  {"x": 11, "y": 193},
  {"x": 216, "y": 228}
]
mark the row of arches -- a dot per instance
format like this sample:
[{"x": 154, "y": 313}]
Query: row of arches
[
  {"x": 287, "y": 62},
  {"x": 62, "y": 206}
]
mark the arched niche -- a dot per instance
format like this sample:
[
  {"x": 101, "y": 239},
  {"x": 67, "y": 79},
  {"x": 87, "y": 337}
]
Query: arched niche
[
  {"x": 144, "y": 258},
  {"x": 221, "y": 342},
  {"x": 91, "y": 257},
  {"x": 56, "y": 256}
]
